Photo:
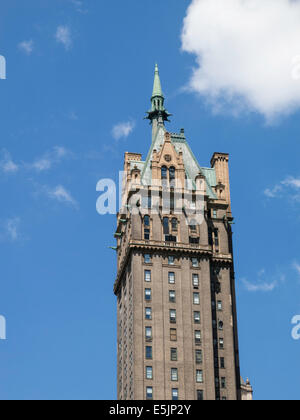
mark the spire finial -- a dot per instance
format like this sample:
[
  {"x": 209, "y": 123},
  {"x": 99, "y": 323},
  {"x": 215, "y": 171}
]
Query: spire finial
[
  {"x": 157, "y": 90},
  {"x": 158, "y": 111}
]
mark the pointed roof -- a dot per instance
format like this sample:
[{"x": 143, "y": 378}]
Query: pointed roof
[
  {"x": 157, "y": 90},
  {"x": 158, "y": 110}
]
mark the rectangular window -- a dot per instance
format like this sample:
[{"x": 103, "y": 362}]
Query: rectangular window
[
  {"x": 198, "y": 337},
  {"x": 171, "y": 278},
  {"x": 172, "y": 296},
  {"x": 221, "y": 342},
  {"x": 174, "y": 374},
  {"x": 166, "y": 226},
  {"x": 210, "y": 236},
  {"x": 199, "y": 376},
  {"x": 149, "y": 353},
  {"x": 222, "y": 363},
  {"x": 174, "y": 224},
  {"x": 149, "y": 393},
  {"x": 148, "y": 295},
  {"x": 200, "y": 395},
  {"x": 171, "y": 260},
  {"x": 196, "y": 298},
  {"x": 174, "y": 355},
  {"x": 149, "y": 372},
  {"x": 194, "y": 241},
  {"x": 147, "y": 276},
  {"x": 170, "y": 238},
  {"x": 148, "y": 313},
  {"x": 223, "y": 383},
  {"x": 148, "y": 333},
  {"x": 147, "y": 234},
  {"x": 195, "y": 281},
  {"x": 173, "y": 334},
  {"x": 216, "y": 232},
  {"x": 147, "y": 258},
  {"x": 199, "y": 358},
  {"x": 195, "y": 262},
  {"x": 146, "y": 202},
  {"x": 220, "y": 305},
  {"x": 197, "y": 317},
  {"x": 215, "y": 214},
  {"x": 175, "y": 394},
  {"x": 173, "y": 316}
]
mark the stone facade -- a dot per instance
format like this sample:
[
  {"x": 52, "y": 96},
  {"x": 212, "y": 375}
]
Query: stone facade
[{"x": 177, "y": 323}]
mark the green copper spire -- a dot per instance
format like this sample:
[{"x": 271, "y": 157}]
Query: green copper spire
[
  {"x": 158, "y": 112},
  {"x": 157, "y": 90}
]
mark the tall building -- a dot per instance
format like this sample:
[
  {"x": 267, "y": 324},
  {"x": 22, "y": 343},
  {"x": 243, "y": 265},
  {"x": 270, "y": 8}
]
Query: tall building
[{"x": 175, "y": 286}]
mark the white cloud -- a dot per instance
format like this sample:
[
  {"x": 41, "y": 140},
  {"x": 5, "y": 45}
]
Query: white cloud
[
  {"x": 49, "y": 159},
  {"x": 296, "y": 266},
  {"x": 78, "y": 6},
  {"x": 264, "y": 282},
  {"x": 11, "y": 227},
  {"x": 63, "y": 36},
  {"x": 7, "y": 165},
  {"x": 292, "y": 182},
  {"x": 259, "y": 287},
  {"x": 44, "y": 163},
  {"x": 26, "y": 46},
  {"x": 290, "y": 187},
  {"x": 59, "y": 193},
  {"x": 247, "y": 54},
  {"x": 123, "y": 130}
]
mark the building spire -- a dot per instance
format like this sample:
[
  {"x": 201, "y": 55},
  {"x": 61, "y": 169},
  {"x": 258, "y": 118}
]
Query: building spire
[
  {"x": 157, "y": 90},
  {"x": 158, "y": 112}
]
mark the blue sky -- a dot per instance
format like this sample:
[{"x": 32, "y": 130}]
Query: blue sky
[{"x": 79, "y": 80}]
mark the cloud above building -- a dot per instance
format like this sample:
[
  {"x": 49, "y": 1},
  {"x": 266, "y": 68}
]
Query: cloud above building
[
  {"x": 63, "y": 36},
  {"x": 123, "y": 130},
  {"x": 26, "y": 46},
  {"x": 289, "y": 187},
  {"x": 7, "y": 165},
  {"x": 60, "y": 193},
  {"x": 10, "y": 229},
  {"x": 264, "y": 282},
  {"x": 247, "y": 55}
]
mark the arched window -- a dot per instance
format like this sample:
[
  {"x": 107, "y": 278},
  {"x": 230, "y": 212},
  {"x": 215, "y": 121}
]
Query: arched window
[
  {"x": 172, "y": 173},
  {"x": 166, "y": 226},
  {"x": 164, "y": 176},
  {"x": 147, "y": 231},
  {"x": 164, "y": 172}
]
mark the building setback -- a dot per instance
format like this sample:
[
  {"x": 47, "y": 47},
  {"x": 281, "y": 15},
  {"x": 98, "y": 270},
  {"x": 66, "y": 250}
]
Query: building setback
[{"x": 177, "y": 321}]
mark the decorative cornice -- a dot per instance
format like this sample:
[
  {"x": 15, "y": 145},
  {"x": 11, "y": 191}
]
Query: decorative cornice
[{"x": 163, "y": 247}]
